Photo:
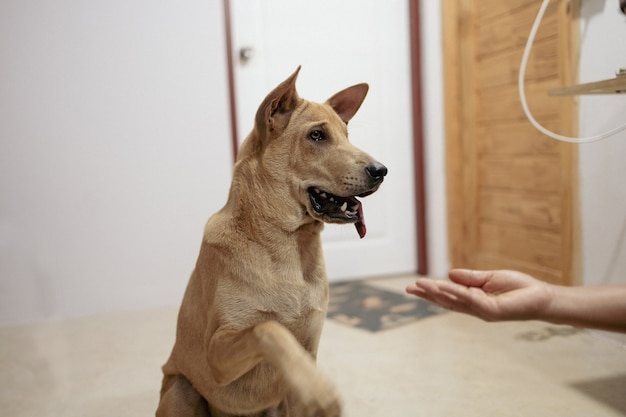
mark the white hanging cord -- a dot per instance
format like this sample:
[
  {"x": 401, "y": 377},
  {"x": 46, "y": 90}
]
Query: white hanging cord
[{"x": 520, "y": 82}]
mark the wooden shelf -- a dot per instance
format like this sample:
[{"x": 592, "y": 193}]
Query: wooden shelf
[{"x": 615, "y": 85}]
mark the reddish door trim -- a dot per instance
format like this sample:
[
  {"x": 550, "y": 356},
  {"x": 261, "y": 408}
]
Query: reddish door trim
[
  {"x": 231, "y": 78},
  {"x": 418, "y": 139}
]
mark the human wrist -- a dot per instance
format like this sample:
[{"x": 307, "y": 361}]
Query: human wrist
[{"x": 553, "y": 304}]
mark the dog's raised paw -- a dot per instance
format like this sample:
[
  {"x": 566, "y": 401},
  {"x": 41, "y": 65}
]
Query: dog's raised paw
[{"x": 321, "y": 399}]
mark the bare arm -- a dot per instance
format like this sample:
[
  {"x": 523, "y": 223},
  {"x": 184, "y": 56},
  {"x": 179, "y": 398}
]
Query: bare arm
[
  {"x": 601, "y": 307},
  {"x": 512, "y": 295}
]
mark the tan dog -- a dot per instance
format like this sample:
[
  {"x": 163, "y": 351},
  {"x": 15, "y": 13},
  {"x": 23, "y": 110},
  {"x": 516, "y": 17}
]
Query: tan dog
[{"x": 251, "y": 318}]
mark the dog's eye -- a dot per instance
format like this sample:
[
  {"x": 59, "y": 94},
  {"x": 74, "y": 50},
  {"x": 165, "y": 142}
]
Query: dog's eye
[{"x": 317, "y": 135}]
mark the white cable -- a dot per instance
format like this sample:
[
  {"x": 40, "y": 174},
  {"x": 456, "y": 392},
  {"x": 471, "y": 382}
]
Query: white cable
[{"x": 520, "y": 82}]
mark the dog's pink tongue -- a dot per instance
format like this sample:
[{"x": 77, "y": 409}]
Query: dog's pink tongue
[{"x": 360, "y": 224}]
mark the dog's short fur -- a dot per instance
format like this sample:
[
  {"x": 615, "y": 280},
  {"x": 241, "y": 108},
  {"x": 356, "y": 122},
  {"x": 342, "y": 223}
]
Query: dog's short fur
[{"x": 250, "y": 321}]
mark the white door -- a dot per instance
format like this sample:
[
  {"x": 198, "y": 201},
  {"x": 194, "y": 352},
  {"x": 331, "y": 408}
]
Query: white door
[{"x": 340, "y": 43}]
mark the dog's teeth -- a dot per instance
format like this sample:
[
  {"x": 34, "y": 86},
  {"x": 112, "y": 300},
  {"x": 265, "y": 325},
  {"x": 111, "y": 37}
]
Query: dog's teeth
[
  {"x": 344, "y": 206},
  {"x": 332, "y": 199},
  {"x": 354, "y": 207},
  {"x": 317, "y": 190},
  {"x": 323, "y": 195}
]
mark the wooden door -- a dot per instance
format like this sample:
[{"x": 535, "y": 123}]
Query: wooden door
[{"x": 512, "y": 192}]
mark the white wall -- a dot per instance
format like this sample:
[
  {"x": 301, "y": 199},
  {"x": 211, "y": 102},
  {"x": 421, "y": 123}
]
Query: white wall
[
  {"x": 602, "y": 164},
  {"x": 114, "y": 150},
  {"x": 434, "y": 137}
]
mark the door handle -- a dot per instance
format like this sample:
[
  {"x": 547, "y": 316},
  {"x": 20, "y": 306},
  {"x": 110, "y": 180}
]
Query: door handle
[{"x": 246, "y": 53}]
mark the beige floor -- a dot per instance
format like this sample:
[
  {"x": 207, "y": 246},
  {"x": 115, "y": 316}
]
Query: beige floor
[{"x": 445, "y": 365}]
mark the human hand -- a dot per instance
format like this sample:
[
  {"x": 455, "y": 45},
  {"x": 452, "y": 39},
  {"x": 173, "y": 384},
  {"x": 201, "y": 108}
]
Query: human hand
[{"x": 489, "y": 295}]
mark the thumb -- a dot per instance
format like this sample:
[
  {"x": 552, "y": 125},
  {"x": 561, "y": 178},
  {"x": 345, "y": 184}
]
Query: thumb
[{"x": 468, "y": 277}]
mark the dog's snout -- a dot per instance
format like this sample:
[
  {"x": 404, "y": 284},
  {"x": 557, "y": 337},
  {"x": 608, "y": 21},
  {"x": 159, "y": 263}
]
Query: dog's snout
[{"x": 376, "y": 171}]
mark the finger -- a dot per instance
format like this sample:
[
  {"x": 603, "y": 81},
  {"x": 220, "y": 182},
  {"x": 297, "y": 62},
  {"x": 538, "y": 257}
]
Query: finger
[
  {"x": 414, "y": 289},
  {"x": 469, "y": 277},
  {"x": 417, "y": 291},
  {"x": 434, "y": 291},
  {"x": 463, "y": 299},
  {"x": 421, "y": 287},
  {"x": 424, "y": 286},
  {"x": 434, "y": 288}
]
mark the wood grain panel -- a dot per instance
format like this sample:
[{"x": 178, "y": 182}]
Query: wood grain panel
[
  {"x": 502, "y": 69},
  {"x": 510, "y": 31},
  {"x": 503, "y": 104},
  {"x": 537, "y": 173},
  {"x": 524, "y": 209},
  {"x": 491, "y": 9},
  {"x": 522, "y": 244},
  {"x": 453, "y": 99},
  {"x": 516, "y": 138}
]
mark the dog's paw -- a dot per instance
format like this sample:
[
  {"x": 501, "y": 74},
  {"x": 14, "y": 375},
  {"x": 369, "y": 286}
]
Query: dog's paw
[{"x": 318, "y": 397}]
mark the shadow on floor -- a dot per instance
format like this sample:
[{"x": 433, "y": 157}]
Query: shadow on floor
[{"x": 610, "y": 391}]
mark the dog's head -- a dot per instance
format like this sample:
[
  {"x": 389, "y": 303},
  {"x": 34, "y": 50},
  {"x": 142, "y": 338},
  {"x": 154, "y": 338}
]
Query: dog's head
[{"x": 305, "y": 144}]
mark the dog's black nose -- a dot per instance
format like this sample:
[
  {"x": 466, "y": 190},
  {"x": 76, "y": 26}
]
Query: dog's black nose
[{"x": 376, "y": 171}]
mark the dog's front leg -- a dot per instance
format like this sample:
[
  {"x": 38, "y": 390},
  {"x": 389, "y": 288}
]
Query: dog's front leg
[{"x": 233, "y": 353}]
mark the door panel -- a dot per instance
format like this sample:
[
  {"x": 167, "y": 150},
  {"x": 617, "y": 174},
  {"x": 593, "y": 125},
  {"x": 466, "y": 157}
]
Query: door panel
[
  {"x": 511, "y": 190},
  {"x": 338, "y": 44}
]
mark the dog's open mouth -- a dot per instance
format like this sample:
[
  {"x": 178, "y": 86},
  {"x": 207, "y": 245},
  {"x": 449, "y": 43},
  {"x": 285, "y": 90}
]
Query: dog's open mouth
[{"x": 341, "y": 209}]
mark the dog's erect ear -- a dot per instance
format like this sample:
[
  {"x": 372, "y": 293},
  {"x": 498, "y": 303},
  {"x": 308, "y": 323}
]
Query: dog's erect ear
[
  {"x": 275, "y": 111},
  {"x": 347, "y": 102}
]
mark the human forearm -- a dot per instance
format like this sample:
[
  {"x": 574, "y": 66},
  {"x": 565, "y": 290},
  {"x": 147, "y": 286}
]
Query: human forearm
[
  {"x": 513, "y": 295},
  {"x": 602, "y": 307}
]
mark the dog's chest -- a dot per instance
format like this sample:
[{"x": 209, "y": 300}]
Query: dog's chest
[
  {"x": 293, "y": 299},
  {"x": 296, "y": 284},
  {"x": 283, "y": 293}
]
